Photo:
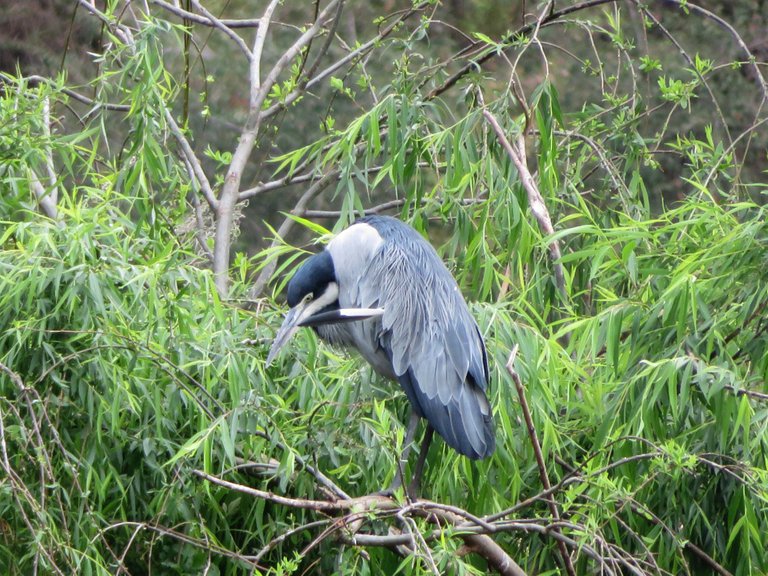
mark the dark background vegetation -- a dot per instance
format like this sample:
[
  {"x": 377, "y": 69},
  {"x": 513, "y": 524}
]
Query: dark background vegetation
[{"x": 137, "y": 305}]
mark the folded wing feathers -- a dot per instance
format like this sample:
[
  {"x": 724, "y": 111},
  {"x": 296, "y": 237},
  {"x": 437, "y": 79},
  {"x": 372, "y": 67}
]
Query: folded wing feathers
[{"x": 435, "y": 346}]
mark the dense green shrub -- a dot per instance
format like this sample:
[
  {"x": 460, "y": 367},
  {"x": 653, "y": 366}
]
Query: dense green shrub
[{"x": 131, "y": 382}]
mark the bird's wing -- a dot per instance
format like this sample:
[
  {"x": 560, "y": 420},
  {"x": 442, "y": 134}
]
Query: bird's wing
[{"x": 434, "y": 344}]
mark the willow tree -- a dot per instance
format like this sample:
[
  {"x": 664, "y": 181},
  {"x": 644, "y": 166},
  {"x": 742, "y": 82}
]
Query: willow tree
[{"x": 592, "y": 172}]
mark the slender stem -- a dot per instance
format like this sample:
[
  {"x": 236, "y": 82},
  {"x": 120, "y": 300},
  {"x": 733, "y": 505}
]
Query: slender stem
[
  {"x": 539, "y": 456},
  {"x": 191, "y": 158},
  {"x": 224, "y": 28},
  {"x": 475, "y": 63},
  {"x": 535, "y": 200},
  {"x": 205, "y": 20}
]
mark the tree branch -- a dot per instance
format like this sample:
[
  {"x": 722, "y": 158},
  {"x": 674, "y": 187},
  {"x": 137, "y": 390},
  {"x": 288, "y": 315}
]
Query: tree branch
[
  {"x": 258, "y": 93},
  {"x": 492, "y": 52},
  {"x": 44, "y": 197},
  {"x": 438, "y": 513},
  {"x": 535, "y": 200},
  {"x": 372, "y": 502},
  {"x": 191, "y": 158},
  {"x": 539, "y": 457},
  {"x": 224, "y": 28},
  {"x": 204, "y": 20},
  {"x": 383, "y": 207}
]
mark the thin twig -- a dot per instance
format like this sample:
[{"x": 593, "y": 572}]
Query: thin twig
[
  {"x": 383, "y": 207},
  {"x": 191, "y": 158},
  {"x": 539, "y": 456},
  {"x": 325, "y": 47},
  {"x": 535, "y": 200},
  {"x": 224, "y": 28},
  {"x": 492, "y": 51},
  {"x": 370, "y": 502},
  {"x": 181, "y": 537},
  {"x": 74, "y": 95},
  {"x": 205, "y": 21}
]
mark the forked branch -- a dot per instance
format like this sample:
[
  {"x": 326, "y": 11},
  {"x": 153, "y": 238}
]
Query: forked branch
[{"x": 355, "y": 510}]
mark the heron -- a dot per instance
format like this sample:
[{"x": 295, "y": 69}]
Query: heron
[{"x": 381, "y": 288}]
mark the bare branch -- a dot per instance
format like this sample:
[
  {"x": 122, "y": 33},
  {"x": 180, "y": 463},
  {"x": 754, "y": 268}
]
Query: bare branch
[
  {"x": 224, "y": 28},
  {"x": 54, "y": 193},
  {"x": 539, "y": 456},
  {"x": 181, "y": 537},
  {"x": 326, "y": 45},
  {"x": 44, "y": 197},
  {"x": 226, "y": 205},
  {"x": 191, "y": 158},
  {"x": 492, "y": 52},
  {"x": 287, "y": 534},
  {"x": 204, "y": 20},
  {"x": 77, "y": 96},
  {"x": 122, "y": 32},
  {"x": 370, "y": 502},
  {"x": 258, "y": 93},
  {"x": 383, "y": 207},
  {"x": 276, "y": 185},
  {"x": 535, "y": 200}
]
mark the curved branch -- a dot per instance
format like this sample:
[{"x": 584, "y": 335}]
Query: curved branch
[
  {"x": 224, "y": 28},
  {"x": 535, "y": 200},
  {"x": 539, "y": 457},
  {"x": 205, "y": 21},
  {"x": 479, "y": 543}
]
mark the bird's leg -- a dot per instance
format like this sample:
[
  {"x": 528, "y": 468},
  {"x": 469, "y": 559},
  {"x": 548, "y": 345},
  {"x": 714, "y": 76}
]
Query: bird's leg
[
  {"x": 410, "y": 434},
  {"x": 415, "y": 486}
]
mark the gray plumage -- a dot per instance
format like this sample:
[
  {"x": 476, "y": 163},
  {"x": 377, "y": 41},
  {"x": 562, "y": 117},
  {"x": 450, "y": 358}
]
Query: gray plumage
[
  {"x": 427, "y": 339},
  {"x": 417, "y": 327}
]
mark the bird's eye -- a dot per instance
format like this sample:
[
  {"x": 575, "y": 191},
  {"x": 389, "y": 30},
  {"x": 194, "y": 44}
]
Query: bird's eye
[{"x": 308, "y": 298}]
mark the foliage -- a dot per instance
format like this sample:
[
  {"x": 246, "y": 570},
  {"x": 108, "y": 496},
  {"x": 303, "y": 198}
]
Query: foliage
[{"x": 129, "y": 378}]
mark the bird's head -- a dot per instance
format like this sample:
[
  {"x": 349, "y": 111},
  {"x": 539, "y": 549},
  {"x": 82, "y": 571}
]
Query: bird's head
[
  {"x": 312, "y": 290},
  {"x": 313, "y": 295}
]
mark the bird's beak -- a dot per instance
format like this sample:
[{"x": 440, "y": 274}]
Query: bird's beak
[
  {"x": 290, "y": 325},
  {"x": 299, "y": 316}
]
